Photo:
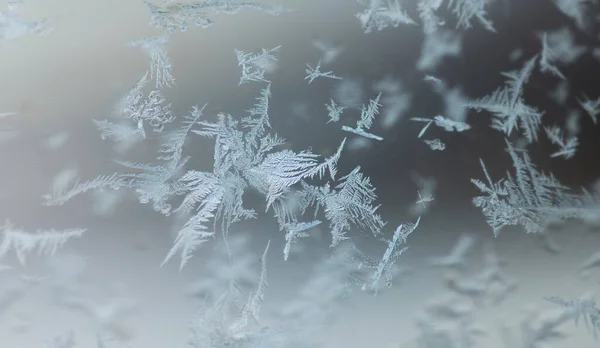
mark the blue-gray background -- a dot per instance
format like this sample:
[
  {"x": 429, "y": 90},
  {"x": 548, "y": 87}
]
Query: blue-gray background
[{"x": 60, "y": 81}]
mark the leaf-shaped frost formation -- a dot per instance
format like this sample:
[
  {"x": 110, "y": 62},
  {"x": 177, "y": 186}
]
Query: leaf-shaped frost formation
[
  {"x": 113, "y": 181},
  {"x": 194, "y": 232}
]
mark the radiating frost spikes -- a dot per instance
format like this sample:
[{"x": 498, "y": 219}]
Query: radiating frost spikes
[{"x": 313, "y": 73}]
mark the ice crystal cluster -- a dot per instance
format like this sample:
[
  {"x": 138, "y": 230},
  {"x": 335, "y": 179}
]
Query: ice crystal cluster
[{"x": 304, "y": 191}]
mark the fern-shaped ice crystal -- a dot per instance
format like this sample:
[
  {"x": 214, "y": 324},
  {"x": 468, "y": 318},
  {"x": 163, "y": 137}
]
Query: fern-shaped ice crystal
[
  {"x": 467, "y": 10},
  {"x": 160, "y": 64},
  {"x": 567, "y": 145},
  {"x": 530, "y": 198},
  {"x": 349, "y": 203},
  {"x": 547, "y": 58},
  {"x": 507, "y": 106},
  {"x": 367, "y": 116},
  {"x": 391, "y": 254},
  {"x": 46, "y": 242}
]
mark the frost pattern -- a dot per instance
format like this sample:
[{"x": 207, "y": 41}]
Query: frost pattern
[
  {"x": 367, "y": 116},
  {"x": 382, "y": 14},
  {"x": 530, "y": 198},
  {"x": 151, "y": 110},
  {"x": 423, "y": 200},
  {"x": 46, "y": 242},
  {"x": 567, "y": 145},
  {"x": 384, "y": 268},
  {"x": 435, "y": 144},
  {"x": 160, "y": 64},
  {"x": 538, "y": 329},
  {"x": 442, "y": 122},
  {"x": 245, "y": 156},
  {"x": 254, "y": 65},
  {"x": 313, "y": 73},
  {"x": 12, "y": 26},
  {"x": 334, "y": 111},
  {"x": 426, "y": 187},
  {"x": 222, "y": 322},
  {"x": 591, "y": 107},
  {"x": 508, "y": 107},
  {"x": 466, "y": 10},
  {"x": 427, "y": 12},
  {"x": 582, "y": 307},
  {"x": 248, "y": 157},
  {"x": 547, "y": 58},
  {"x": 349, "y": 202},
  {"x": 295, "y": 231},
  {"x": 251, "y": 308},
  {"x": 174, "y": 16}
]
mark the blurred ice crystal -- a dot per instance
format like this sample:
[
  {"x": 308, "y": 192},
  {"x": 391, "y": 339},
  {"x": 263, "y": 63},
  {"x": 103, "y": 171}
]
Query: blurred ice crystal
[
  {"x": 105, "y": 201},
  {"x": 437, "y": 46},
  {"x": 64, "y": 341},
  {"x": 349, "y": 93},
  {"x": 329, "y": 52},
  {"x": 379, "y": 15},
  {"x": 396, "y": 101},
  {"x": 12, "y": 26},
  {"x": 57, "y": 140}
]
